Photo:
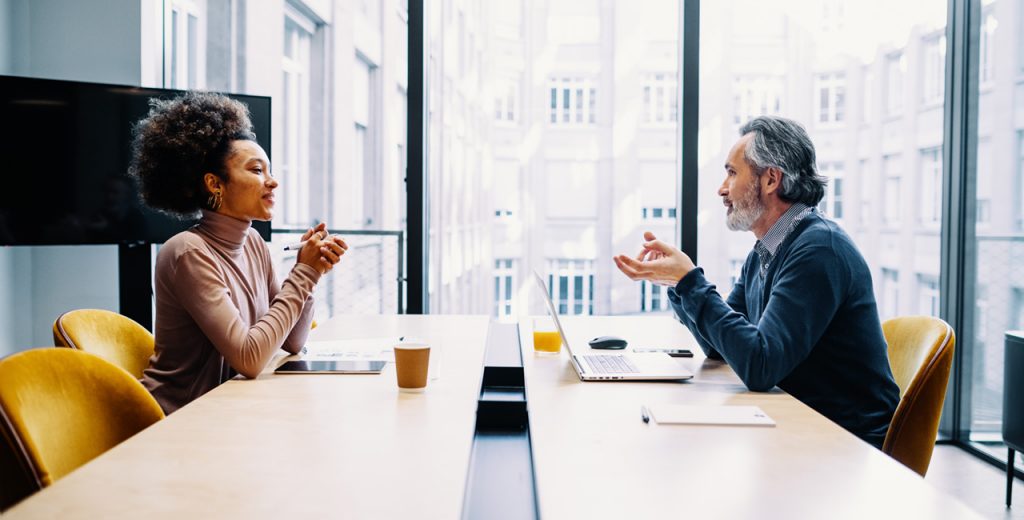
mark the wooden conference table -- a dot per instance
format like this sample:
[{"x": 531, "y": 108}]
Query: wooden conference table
[{"x": 285, "y": 446}]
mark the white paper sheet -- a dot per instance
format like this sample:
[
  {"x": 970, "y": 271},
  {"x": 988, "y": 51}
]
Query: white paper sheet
[{"x": 711, "y": 414}]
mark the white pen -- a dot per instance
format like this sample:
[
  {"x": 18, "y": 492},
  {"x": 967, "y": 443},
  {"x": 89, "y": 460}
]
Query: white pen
[{"x": 295, "y": 246}]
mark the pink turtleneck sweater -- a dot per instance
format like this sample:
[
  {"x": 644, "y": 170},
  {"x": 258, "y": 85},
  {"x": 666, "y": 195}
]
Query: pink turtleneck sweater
[{"x": 220, "y": 310}]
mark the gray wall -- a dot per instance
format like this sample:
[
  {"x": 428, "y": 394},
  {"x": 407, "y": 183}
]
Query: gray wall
[{"x": 99, "y": 41}]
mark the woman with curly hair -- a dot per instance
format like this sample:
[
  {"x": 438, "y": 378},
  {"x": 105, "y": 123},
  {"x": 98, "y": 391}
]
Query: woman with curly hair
[{"x": 220, "y": 310}]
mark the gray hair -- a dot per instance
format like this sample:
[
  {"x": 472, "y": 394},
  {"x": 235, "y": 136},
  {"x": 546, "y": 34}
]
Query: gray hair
[{"x": 784, "y": 144}]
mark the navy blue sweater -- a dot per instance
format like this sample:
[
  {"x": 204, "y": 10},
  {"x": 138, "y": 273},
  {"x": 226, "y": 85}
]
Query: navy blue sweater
[{"x": 810, "y": 326}]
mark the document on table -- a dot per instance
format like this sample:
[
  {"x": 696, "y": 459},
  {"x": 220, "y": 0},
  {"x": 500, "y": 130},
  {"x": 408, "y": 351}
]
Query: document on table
[
  {"x": 362, "y": 349},
  {"x": 727, "y": 415}
]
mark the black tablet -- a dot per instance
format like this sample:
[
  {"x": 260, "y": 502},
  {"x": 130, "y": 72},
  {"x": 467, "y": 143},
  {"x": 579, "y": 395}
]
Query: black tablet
[{"x": 330, "y": 366}]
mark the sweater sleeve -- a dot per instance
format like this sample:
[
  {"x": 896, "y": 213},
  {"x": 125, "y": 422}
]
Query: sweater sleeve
[
  {"x": 675, "y": 301},
  {"x": 804, "y": 298},
  {"x": 246, "y": 349},
  {"x": 297, "y": 338},
  {"x": 736, "y": 301}
]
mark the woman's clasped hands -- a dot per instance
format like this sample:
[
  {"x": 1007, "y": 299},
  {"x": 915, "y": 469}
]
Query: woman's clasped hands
[{"x": 321, "y": 250}]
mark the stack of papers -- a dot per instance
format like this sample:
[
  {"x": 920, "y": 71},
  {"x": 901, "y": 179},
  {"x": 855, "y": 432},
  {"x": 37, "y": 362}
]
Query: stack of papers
[
  {"x": 711, "y": 414},
  {"x": 362, "y": 349}
]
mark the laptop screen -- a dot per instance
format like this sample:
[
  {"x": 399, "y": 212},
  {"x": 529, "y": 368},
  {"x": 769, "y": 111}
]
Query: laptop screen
[{"x": 551, "y": 309}]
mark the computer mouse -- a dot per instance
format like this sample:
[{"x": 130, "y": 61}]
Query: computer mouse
[{"x": 608, "y": 342}]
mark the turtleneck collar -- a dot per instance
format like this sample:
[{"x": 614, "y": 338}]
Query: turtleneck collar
[{"x": 228, "y": 232}]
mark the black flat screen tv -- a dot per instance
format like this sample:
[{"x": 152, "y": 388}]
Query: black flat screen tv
[{"x": 65, "y": 147}]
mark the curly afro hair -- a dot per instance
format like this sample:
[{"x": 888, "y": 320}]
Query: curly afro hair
[{"x": 181, "y": 140}]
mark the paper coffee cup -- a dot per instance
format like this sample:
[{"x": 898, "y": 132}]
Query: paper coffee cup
[{"x": 411, "y": 363}]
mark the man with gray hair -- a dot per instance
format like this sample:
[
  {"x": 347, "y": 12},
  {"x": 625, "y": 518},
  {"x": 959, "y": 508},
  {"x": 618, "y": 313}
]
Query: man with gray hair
[{"x": 802, "y": 315}]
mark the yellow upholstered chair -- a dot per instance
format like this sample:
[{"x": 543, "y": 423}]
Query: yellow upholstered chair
[
  {"x": 60, "y": 408},
  {"x": 920, "y": 355},
  {"x": 109, "y": 335}
]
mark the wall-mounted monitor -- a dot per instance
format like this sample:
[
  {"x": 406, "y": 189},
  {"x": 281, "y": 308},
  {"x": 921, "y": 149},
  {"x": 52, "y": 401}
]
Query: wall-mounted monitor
[{"x": 65, "y": 148}]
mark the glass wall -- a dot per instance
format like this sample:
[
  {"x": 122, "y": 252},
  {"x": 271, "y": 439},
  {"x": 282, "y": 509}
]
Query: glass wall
[
  {"x": 869, "y": 91},
  {"x": 553, "y": 135},
  {"x": 996, "y": 188},
  {"x": 336, "y": 72}
]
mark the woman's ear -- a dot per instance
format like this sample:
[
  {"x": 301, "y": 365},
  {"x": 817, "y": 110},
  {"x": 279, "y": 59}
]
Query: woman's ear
[{"x": 213, "y": 183}]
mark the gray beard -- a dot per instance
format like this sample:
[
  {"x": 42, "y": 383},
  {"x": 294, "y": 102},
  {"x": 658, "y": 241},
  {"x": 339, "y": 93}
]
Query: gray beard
[{"x": 745, "y": 211}]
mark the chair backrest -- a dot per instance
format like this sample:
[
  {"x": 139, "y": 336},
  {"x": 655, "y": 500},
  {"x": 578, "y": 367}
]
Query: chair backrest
[
  {"x": 60, "y": 408},
  {"x": 111, "y": 336},
  {"x": 921, "y": 356}
]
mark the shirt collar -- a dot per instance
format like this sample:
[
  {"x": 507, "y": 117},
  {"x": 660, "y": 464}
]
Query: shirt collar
[
  {"x": 769, "y": 244},
  {"x": 783, "y": 227}
]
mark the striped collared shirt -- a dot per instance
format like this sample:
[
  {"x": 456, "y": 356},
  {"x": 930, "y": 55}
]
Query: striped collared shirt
[{"x": 767, "y": 246}]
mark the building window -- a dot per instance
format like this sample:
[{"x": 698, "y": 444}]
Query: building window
[
  {"x": 652, "y": 213},
  {"x": 931, "y": 186},
  {"x": 986, "y": 54},
  {"x": 661, "y": 104},
  {"x": 755, "y": 96},
  {"x": 293, "y": 166},
  {"x": 832, "y": 202},
  {"x": 890, "y": 293},
  {"x": 830, "y": 101},
  {"x": 184, "y": 38},
  {"x": 735, "y": 271},
  {"x": 504, "y": 282},
  {"x": 571, "y": 282},
  {"x": 927, "y": 295},
  {"x": 891, "y": 190},
  {"x": 865, "y": 179},
  {"x": 361, "y": 188},
  {"x": 653, "y": 297},
  {"x": 867, "y": 95},
  {"x": 895, "y": 68},
  {"x": 980, "y": 313},
  {"x": 1018, "y": 309},
  {"x": 505, "y": 106},
  {"x": 934, "y": 80},
  {"x": 983, "y": 186},
  {"x": 1020, "y": 180},
  {"x": 573, "y": 101}
]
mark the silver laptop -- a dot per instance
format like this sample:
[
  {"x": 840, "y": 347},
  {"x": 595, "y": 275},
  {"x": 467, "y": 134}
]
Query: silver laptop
[{"x": 624, "y": 366}]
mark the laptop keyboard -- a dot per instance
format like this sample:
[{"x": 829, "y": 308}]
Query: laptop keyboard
[{"x": 609, "y": 364}]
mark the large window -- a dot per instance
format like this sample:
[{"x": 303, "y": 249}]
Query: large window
[
  {"x": 554, "y": 145},
  {"x": 854, "y": 73},
  {"x": 995, "y": 280}
]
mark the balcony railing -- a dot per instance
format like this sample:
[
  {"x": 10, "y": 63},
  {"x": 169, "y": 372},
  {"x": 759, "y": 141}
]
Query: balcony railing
[{"x": 369, "y": 279}]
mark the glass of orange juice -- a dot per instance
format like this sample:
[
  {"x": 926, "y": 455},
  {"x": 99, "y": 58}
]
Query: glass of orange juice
[{"x": 546, "y": 338}]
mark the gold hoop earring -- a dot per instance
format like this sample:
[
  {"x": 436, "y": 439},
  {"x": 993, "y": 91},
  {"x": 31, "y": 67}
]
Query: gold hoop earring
[{"x": 214, "y": 201}]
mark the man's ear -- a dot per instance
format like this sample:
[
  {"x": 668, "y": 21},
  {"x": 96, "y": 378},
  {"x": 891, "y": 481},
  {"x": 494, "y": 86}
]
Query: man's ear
[
  {"x": 213, "y": 183},
  {"x": 771, "y": 180}
]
